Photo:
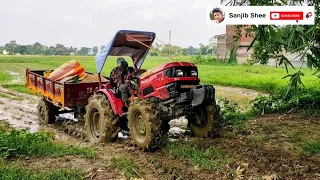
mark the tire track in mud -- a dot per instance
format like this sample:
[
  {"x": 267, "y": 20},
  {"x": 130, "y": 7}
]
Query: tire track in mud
[{"x": 20, "y": 110}]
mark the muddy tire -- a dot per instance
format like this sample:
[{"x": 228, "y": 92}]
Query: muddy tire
[
  {"x": 206, "y": 122},
  {"x": 145, "y": 124},
  {"x": 46, "y": 112},
  {"x": 101, "y": 124}
]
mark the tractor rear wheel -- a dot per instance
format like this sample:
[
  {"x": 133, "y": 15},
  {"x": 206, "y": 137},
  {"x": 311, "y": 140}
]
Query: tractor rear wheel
[
  {"x": 145, "y": 124},
  {"x": 46, "y": 112},
  {"x": 101, "y": 124},
  {"x": 205, "y": 122}
]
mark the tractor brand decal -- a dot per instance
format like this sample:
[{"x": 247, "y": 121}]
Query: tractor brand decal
[{"x": 187, "y": 86}]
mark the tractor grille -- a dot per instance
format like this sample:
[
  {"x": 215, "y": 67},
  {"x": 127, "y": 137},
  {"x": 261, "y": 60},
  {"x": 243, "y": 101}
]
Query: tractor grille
[{"x": 178, "y": 87}]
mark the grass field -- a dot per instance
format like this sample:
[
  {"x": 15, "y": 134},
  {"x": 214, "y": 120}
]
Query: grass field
[{"x": 262, "y": 78}]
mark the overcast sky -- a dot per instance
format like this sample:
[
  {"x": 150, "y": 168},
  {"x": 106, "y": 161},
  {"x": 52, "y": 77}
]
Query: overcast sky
[{"x": 94, "y": 22}]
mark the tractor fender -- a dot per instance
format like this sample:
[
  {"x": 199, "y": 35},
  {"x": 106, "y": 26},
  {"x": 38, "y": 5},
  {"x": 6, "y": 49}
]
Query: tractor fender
[{"x": 116, "y": 103}]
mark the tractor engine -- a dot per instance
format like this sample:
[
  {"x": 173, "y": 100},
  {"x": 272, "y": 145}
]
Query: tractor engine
[{"x": 177, "y": 86}]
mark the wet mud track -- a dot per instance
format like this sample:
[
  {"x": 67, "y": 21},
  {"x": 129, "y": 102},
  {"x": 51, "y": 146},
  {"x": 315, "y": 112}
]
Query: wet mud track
[{"x": 264, "y": 150}]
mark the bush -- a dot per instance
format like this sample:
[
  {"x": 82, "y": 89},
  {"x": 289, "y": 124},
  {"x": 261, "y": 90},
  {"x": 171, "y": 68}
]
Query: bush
[
  {"x": 203, "y": 59},
  {"x": 305, "y": 100}
]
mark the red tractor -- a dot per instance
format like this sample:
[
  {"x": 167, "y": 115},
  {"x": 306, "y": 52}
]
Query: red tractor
[{"x": 163, "y": 93}]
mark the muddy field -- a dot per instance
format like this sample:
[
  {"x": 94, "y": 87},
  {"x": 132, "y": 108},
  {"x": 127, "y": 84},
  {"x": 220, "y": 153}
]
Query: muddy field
[{"x": 268, "y": 147}]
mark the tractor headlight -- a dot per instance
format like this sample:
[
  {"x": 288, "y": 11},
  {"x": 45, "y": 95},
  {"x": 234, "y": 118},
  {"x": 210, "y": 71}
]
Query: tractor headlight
[
  {"x": 194, "y": 73},
  {"x": 179, "y": 72}
]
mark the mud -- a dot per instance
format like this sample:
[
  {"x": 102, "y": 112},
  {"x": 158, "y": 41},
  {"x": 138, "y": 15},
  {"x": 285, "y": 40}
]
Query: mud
[{"x": 264, "y": 149}]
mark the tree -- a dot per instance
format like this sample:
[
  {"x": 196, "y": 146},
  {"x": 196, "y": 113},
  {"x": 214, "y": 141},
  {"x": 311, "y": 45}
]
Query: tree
[
  {"x": 50, "y": 51},
  {"x": 174, "y": 50},
  {"x": 61, "y": 50},
  {"x": 2, "y": 48},
  {"x": 37, "y": 48},
  {"x": 84, "y": 51},
  {"x": 271, "y": 40},
  {"x": 102, "y": 47},
  {"x": 22, "y": 49},
  {"x": 12, "y": 47},
  {"x": 95, "y": 50}
]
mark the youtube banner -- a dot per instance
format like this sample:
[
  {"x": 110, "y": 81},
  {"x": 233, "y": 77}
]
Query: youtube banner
[{"x": 261, "y": 15}]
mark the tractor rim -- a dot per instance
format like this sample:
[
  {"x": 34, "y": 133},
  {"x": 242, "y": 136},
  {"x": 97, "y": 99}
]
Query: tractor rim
[
  {"x": 140, "y": 126},
  {"x": 201, "y": 118},
  {"x": 95, "y": 121}
]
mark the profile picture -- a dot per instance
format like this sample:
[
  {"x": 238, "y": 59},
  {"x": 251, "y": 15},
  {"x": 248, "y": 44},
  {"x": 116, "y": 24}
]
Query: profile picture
[{"x": 217, "y": 15}]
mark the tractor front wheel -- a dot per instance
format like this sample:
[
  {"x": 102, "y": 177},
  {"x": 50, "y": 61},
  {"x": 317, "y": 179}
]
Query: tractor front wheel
[
  {"x": 205, "y": 121},
  {"x": 101, "y": 124},
  {"x": 46, "y": 112},
  {"x": 145, "y": 124}
]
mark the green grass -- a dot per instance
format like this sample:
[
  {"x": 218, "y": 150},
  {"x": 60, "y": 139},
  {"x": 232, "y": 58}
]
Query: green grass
[
  {"x": 262, "y": 78},
  {"x": 19, "y": 88},
  {"x": 126, "y": 164},
  {"x": 311, "y": 147},
  {"x": 14, "y": 172},
  {"x": 17, "y": 143},
  {"x": 269, "y": 128},
  {"x": 199, "y": 156},
  {"x": 4, "y": 76},
  {"x": 3, "y": 95}
]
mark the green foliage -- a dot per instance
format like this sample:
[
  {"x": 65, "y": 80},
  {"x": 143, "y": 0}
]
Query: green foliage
[
  {"x": 17, "y": 143},
  {"x": 233, "y": 53},
  {"x": 14, "y": 172},
  {"x": 127, "y": 165},
  {"x": 197, "y": 153},
  {"x": 203, "y": 60},
  {"x": 312, "y": 147},
  {"x": 231, "y": 115},
  {"x": 303, "y": 99},
  {"x": 271, "y": 40}
]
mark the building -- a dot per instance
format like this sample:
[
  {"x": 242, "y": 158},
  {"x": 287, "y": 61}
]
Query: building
[
  {"x": 5, "y": 52},
  {"x": 225, "y": 43}
]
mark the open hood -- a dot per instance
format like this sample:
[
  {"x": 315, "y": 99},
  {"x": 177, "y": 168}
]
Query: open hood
[{"x": 127, "y": 43}]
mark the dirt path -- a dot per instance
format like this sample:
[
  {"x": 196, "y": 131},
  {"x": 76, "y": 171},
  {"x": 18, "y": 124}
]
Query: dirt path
[{"x": 269, "y": 147}]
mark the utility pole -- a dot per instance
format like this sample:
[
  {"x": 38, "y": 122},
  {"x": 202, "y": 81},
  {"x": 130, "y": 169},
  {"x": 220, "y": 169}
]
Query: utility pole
[{"x": 170, "y": 43}]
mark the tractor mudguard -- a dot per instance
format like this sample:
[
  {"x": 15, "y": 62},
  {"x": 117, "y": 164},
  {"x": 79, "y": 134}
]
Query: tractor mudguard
[
  {"x": 116, "y": 103},
  {"x": 203, "y": 95}
]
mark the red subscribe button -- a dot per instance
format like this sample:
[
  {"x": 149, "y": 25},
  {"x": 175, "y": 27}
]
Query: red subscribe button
[{"x": 286, "y": 15}]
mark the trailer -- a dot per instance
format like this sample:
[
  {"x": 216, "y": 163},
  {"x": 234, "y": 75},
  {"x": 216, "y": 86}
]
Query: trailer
[{"x": 57, "y": 97}]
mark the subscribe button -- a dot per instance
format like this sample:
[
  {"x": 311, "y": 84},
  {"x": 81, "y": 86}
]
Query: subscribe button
[{"x": 286, "y": 15}]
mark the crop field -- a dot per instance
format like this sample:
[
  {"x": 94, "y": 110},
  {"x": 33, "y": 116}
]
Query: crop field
[
  {"x": 274, "y": 146},
  {"x": 261, "y": 78}
]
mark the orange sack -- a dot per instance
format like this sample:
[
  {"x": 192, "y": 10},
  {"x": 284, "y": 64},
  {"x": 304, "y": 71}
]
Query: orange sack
[{"x": 68, "y": 70}]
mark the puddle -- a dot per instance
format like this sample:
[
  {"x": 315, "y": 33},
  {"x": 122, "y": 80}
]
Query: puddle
[{"x": 16, "y": 77}]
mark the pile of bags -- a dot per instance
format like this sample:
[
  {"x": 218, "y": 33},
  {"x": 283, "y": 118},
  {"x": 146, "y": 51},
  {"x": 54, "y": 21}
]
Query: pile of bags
[{"x": 71, "y": 71}]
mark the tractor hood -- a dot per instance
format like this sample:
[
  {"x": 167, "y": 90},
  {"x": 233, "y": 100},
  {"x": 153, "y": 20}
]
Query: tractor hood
[
  {"x": 127, "y": 43},
  {"x": 164, "y": 66}
]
